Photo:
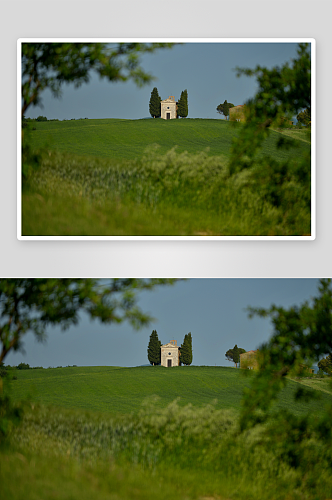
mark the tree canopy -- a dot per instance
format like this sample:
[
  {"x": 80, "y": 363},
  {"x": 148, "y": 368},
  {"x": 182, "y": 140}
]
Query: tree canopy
[
  {"x": 301, "y": 335},
  {"x": 50, "y": 65},
  {"x": 304, "y": 117},
  {"x": 234, "y": 354},
  {"x": 223, "y": 109},
  {"x": 282, "y": 93},
  {"x": 32, "y": 305},
  {"x": 325, "y": 364}
]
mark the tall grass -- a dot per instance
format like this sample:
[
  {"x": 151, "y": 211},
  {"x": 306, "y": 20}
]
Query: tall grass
[
  {"x": 202, "y": 443},
  {"x": 109, "y": 177},
  {"x": 172, "y": 186},
  {"x": 158, "y": 447}
]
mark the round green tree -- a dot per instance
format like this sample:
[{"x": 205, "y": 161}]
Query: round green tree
[{"x": 234, "y": 354}]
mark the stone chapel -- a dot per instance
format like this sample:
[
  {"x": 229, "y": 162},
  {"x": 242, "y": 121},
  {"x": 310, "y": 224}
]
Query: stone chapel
[
  {"x": 168, "y": 108},
  {"x": 170, "y": 354}
]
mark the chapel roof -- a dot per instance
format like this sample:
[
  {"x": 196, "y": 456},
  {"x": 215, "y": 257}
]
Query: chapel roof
[
  {"x": 170, "y": 345},
  {"x": 171, "y": 98}
]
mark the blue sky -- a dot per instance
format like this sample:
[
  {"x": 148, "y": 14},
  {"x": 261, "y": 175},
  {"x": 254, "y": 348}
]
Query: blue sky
[
  {"x": 213, "y": 310},
  {"x": 206, "y": 70}
]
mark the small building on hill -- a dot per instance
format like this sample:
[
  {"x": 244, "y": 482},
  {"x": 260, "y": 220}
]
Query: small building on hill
[
  {"x": 307, "y": 368},
  {"x": 169, "y": 108},
  {"x": 249, "y": 360},
  {"x": 170, "y": 354},
  {"x": 237, "y": 113}
]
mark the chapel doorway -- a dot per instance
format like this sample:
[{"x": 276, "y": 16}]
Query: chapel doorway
[
  {"x": 169, "y": 361},
  {"x": 168, "y": 116}
]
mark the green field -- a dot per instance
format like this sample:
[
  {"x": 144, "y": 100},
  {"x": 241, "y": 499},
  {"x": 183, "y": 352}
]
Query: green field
[
  {"x": 155, "y": 177},
  {"x": 118, "y": 390},
  {"x": 116, "y": 433},
  {"x": 117, "y": 139}
]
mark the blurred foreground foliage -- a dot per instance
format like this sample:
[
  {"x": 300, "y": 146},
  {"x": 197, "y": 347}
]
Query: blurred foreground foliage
[
  {"x": 33, "y": 304},
  {"x": 282, "y": 93}
]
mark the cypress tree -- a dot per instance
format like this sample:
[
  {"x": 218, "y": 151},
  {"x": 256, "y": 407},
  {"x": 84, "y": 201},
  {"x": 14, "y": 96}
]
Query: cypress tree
[
  {"x": 180, "y": 106},
  {"x": 183, "y": 104},
  {"x": 183, "y": 351},
  {"x": 236, "y": 355},
  {"x": 154, "y": 105},
  {"x": 226, "y": 109},
  {"x": 190, "y": 348},
  {"x": 154, "y": 354},
  {"x": 186, "y": 350}
]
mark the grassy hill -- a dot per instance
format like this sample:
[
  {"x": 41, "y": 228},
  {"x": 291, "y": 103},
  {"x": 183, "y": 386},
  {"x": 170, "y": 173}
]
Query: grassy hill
[
  {"x": 128, "y": 139},
  {"x": 161, "y": 178},
  {"x": 92, "y": 442},
  {"x": 123, "y": 390}
]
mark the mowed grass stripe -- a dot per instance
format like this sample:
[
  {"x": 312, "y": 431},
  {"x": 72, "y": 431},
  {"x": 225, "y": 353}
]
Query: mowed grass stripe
[{"x": 123, "y": 390}]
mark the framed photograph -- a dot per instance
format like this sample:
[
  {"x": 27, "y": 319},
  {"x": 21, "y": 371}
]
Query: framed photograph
[{"x": 181, "y": 139}]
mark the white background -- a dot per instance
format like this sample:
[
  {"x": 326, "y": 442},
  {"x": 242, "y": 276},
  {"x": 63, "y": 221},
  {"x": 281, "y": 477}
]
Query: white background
[{"x": 215, "y": 19}]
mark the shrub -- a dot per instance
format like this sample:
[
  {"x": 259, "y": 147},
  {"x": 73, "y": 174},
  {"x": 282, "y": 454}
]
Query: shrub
[{"x": 23, "y": 366}]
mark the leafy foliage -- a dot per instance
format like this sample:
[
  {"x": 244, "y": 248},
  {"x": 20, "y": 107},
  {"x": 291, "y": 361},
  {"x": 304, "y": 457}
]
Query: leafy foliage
[
  {"x": 31, "y": 305},
  {"x": 234, "y": 354},
  {"x": 224, "y": 108},
  {"x": 23, "y": 366},
  {"x": 10, "y": 415},
  {"x": 304, "y": 117},
  {"x": 154, "y": 105},
  {"x": 325, "y": 364},
  {"x": 50, "y": 65},
  {"x": 154, "y": 353},
  {"x": 301, "y": 335},
  {"x": 282, "y": 93}
]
